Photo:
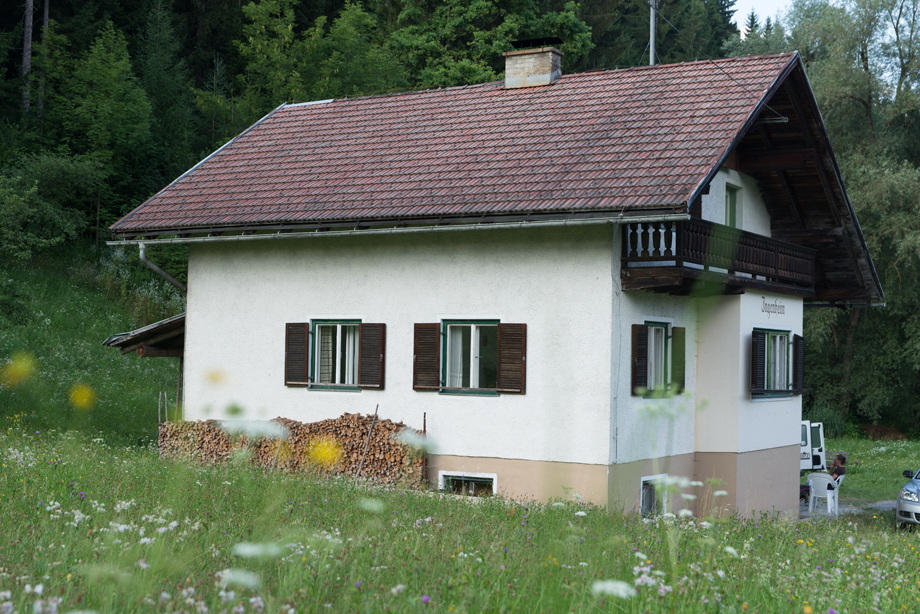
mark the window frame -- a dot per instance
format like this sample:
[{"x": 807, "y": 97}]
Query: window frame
[
  {"x": 732, "y": 206},
  {"x": 445, "y": 353},
  {"x": 659, "y": 485},
  {"x": 665, "y": 361},
  {"x": 770, "y": 390},
  {"x": 315, "y": 359},
  {"x": 673, "y": 362}
]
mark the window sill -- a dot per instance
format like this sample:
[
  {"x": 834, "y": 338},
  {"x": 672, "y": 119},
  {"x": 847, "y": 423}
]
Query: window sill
[
  {"x": 772, "y": 396},
  {"x": 470, "y": 392},
  {"x": 336, "y": 387},
  {"x": 655, "y": 395}
]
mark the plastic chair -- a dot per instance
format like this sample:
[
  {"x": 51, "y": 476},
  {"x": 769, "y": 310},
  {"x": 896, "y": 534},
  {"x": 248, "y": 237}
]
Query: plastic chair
[{"x": 824, "y": 486}]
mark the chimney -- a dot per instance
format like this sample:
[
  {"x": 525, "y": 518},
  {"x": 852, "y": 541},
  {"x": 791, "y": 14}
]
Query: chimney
[{"x": 533, "y": 62}]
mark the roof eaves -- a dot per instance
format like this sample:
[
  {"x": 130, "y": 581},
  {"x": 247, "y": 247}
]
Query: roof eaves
[
  {"x": 794, "y": 60},
  {"x": 870, "y": 265}
]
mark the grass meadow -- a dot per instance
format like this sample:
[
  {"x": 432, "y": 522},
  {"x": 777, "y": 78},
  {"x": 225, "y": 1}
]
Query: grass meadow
[
  {"x": 69, "y": 305},
  {"x": 92, "y": 520},
  {"x": 88, "y": 526}
]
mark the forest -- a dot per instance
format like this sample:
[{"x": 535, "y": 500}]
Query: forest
[{"x": 104, "y": 102}]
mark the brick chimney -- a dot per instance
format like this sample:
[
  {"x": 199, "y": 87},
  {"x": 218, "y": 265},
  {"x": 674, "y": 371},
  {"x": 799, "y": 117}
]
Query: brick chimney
[{"x": 533, "y": 62}]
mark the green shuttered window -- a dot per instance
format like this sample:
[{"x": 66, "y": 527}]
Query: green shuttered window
[
  {"x": 470, "y": 357},
  {"x": 777, "y": 366},
  {"x": 658, "y": 360},
  {"x": 331, "y": 355}
]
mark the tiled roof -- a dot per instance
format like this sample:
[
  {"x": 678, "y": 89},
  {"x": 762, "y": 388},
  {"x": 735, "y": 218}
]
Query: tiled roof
[{"x": 633, "y": 138}]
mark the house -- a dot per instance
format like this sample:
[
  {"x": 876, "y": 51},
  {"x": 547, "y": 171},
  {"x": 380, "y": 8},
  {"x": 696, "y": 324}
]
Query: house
[{"x": 528, "y": 266}]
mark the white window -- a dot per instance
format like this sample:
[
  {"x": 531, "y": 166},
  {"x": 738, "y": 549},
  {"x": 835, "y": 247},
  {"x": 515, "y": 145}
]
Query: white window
[
  {"x": 472, "y": 355},
  {"x": 657, "y": 357},
  {"x": 653, "y": 494},
  {"x": 659, "y": 362},
  {"x": 771, "y": 362},
  {"x": 732, "y": 206},
  {"x": 778, "y": 361},
  {"x": 335, "y": 357}
]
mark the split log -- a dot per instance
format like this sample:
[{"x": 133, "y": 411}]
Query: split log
[{"x": 328, "y": 447}]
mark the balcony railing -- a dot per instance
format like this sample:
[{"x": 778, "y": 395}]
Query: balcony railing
[{"x": 701, "y": 245}]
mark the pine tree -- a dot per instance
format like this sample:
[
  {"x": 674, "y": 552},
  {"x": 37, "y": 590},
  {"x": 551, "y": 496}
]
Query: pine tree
[
  {"x": 168, "y": 85},
  {"x": 753, "y": 24}
]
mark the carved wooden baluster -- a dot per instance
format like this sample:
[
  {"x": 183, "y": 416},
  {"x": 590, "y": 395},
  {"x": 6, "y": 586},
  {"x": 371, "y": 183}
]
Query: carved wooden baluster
[
  {"x": 668, "y": 239},
  {"x": 633, "y": 240},
  {"x": 644, "y": 240}
]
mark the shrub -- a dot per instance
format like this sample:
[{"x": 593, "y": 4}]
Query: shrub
[
  {"x": 834, "y": 424},
  {"x": 13, "y": 309}
]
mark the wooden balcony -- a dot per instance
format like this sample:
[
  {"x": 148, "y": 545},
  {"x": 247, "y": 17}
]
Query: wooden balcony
[{"x": 703, "y": 257}]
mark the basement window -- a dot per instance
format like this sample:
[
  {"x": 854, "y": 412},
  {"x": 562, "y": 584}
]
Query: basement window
[
  {"x": 469, "y": 484},
  {"x": 653, "y": 495}
]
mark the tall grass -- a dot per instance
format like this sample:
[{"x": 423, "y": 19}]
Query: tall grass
[
  {"x": 114, "y": 529},
  {"x": 65, "y": 319}
]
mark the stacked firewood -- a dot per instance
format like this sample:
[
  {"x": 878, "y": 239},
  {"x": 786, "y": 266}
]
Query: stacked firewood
[{"x": 330, "y": 447}]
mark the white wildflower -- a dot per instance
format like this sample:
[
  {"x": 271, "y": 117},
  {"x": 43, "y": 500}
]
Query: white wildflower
[
  {"x": 251, "y": 551},
  {"x": 685, "y": 513},
  {"x": 371, "y": 505},
  {"x": 396, "y": 590},
  {"x": 239, "y": 576},
  {"x": 720, "y": 493},
  {"x": 614, "y": 588},
  {"x": 731, "y": 551},
  {"x": 580, "y": 514}
]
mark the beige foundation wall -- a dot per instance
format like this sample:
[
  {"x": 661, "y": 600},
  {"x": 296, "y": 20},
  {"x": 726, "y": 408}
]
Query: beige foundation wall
[
  {"x": 625, "y": 481},
  {"x": 527, "y": 479},
  {"x": 762, "y": 480},
  {"x": 759, "y": 481}
]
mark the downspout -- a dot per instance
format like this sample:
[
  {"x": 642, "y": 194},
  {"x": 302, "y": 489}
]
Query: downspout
[{"x": 178, "y": 284}]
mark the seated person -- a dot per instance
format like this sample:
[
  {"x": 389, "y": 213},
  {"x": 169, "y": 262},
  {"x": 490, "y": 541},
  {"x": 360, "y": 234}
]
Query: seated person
[{"x": 838, "y": 470}]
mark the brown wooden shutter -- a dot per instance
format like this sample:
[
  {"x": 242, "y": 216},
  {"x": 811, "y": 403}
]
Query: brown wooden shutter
[
  {"x": 798, "y": 363},
  {"x": 758, "y": 361},
  {"x": 426, "y": 362},
  {"x": 512, "y": 358},
  {"x": 639, "y": 359},
  {"x": 372, "y": 341},
  {"x": 678, "y": 358},
  {"x": 295, "y": 354}
]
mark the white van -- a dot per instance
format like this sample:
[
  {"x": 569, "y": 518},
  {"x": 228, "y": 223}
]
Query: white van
[{"x": 812, "y": 456}]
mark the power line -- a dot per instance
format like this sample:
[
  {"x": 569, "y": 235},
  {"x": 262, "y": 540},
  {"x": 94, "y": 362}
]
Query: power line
[{"x": 653, "y": 6}]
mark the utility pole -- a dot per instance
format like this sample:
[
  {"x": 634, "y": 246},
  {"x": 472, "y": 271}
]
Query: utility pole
[{"x": 651, "y": 32}]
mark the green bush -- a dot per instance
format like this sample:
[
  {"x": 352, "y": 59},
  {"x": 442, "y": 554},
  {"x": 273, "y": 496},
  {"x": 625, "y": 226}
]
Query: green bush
[
  {"x": 13, "y": 308},
  {"x": 834, "y": 424}
]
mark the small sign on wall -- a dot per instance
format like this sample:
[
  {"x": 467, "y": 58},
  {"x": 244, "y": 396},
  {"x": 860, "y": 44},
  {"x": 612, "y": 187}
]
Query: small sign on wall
[{"x": 772, "y": 309}]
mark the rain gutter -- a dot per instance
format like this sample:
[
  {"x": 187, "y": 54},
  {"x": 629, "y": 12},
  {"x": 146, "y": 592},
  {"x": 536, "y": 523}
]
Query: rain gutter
[
  {"x": 672, "y": 217},
  {"x": 159, "y": 271}
]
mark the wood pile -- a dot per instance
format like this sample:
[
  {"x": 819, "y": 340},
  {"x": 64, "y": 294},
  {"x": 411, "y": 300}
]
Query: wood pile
[{"x": 329, "y": 447}]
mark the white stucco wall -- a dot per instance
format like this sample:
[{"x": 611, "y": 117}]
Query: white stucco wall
[
  {"x": 557, "y": 281},
  {"x": 768, "y": 423},
  {"x": 753, "y": 212},
  {"x": 650, "y": 428},
  {"x": 728, "y": 419}
]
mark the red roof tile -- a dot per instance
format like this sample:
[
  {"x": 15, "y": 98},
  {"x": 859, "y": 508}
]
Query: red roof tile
[{"x": 634, "y": 138}]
